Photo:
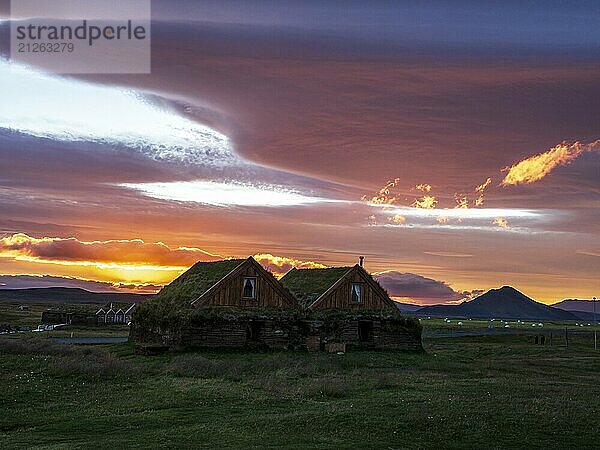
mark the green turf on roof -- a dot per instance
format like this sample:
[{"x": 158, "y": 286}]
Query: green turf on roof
[
  {"x": 196, "y": 280},
  {"x": 309, "y": 284}
]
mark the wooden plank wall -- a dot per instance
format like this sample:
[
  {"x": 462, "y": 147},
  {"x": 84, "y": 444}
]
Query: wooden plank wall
[
  {"x": 341, "y": 297},
  {"x": 230, "y": 292}
]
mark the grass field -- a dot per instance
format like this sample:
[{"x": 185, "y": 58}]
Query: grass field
[
  {"x": 472, "y": 392},
  {"x": 10, "y": 313}
]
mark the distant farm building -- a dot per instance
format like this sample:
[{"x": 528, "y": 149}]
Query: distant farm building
[
  {"x": 82, "y": 314},
  {"x": 237, "y": 303},
  {"x": 115, "y": 313}
]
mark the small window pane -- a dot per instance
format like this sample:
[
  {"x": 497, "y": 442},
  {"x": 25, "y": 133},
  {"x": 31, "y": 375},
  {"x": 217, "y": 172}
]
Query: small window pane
[
  {"x": 356, "y": 292},
  {"x": 249, "y": 288}
]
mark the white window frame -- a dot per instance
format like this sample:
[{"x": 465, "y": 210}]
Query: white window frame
[
  {"x": 254, "y": 285},
  {"x": 361, "y": 291}
]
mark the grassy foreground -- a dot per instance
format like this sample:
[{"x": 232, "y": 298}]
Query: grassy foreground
[{"x": 477, "y": 392}]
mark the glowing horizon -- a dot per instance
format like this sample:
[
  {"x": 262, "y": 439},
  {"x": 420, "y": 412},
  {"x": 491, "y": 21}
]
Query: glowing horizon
[{"x": 445, "y": 160}]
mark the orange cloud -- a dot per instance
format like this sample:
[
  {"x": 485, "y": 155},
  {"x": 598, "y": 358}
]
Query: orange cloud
[
  {"x": 110, "y": 254},
  {"x": 426, "y": 202},
  {"x": 398, "y": 218},
  {"x": 461, "y": 201},
  {"x": 479, "y": 190},
  {"x": 500, "y": 222},
  {"x": 384, "y": 195},
  {"x": 279, "y": 265},
  {"x": 537, "y": 167}
]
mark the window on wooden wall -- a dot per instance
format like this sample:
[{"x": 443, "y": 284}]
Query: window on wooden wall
[
  {"x": 356, "y": 293},
  {"x": 249, "y": 291}
]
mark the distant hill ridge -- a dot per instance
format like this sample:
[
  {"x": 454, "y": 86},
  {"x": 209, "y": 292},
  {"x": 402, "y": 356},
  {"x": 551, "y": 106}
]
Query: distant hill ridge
[
  {"x": 571, "y": 304},
  {"x": 502, "y": 303},
  {"x": 67, "y": 295}
]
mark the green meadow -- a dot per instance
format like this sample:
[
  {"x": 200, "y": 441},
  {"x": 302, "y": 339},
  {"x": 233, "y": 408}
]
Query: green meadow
[{"x": 467, "y": 392}]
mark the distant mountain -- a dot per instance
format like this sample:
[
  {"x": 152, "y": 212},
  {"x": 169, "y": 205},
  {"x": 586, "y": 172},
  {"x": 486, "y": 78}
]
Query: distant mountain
[
  {"x": 503, "y": 303},
  {"x": 407, "y": 307},
  {"x": 578, "y": 305},
  {"x": 67, "y": 295},
  {"x": 583, "y": 309}
]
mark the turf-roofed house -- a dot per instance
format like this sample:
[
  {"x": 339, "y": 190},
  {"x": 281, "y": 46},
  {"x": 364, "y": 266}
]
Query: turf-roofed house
[
  {"x": 346, "y": 306},
  {"x": 238, "y": 304},
  {"x": 231, "y": 303}
]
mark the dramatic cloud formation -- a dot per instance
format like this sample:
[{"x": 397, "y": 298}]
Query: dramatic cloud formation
[
  {"x": 461, "y": 201},
  {"x": 295, "y": 102},
  {"x": 46, "y": 281},
  {"x": 112, "y": 252},
  {"x": 384, "y": 196},
  {"x": 500, "y": 222},
  {"x": 479, "y": 192},
  {"x": 422, "y": 290},
  {"x": 398, "y": 218},
  {"x": 450, "y": 254},
  {"x": 225, "y": 194},
  {"x": 279, "y": 265},
  {"x": 426, "y": 202},
  {"x": 537, "y": 167},
  {"x": 589, "y": 252}
]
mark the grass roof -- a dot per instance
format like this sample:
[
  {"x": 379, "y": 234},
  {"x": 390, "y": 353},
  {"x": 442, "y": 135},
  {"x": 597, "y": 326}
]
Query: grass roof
[
  {"x": 309, "y": 284},
  {"x": 196, "y": 280}
]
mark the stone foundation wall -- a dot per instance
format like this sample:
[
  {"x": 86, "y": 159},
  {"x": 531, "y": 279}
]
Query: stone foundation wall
[
  {"x": 223, "y": 335},
  {"x": 305, "y": 334},
  {"x": 382, "y": 334}
]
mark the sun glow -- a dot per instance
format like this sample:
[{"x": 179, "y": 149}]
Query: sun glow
[{"x": 116, "y": 273}]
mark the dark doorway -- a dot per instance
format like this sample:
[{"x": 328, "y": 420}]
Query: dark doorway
[
  {"x": 253, "y": 331},
  {"x": 365, "y": 331}
]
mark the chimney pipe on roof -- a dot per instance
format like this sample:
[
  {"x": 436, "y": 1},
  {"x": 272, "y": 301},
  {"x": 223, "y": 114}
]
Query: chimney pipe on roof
[{"x": 361, "y": 260}]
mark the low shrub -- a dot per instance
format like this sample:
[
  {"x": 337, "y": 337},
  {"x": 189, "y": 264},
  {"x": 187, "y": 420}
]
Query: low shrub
[
  {"x": 386, "y": 380},
  {"x": 200, "y": 367},
  {"x": 327, "y": 387},
  {"x": 95, "y": 363},
  {"x": 67, "y": 359},
  {"x": 278, "y": 386},
  {"x": 34, "y": 346}
]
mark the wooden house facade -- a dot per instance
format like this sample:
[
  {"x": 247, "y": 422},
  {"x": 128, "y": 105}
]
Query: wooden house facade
[
  {"x": 248, "y": 285},
  {"x": 371, "y": 320},
  {"x": 231, "y": 304},
  {"x": 348, "y": 288},
  {"x": 238, "y": 303}
]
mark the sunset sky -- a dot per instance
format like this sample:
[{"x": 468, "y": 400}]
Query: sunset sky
[{"x": 456, "y": 145}]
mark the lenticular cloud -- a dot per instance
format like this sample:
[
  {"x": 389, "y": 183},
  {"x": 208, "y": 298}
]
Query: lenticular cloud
[{"x": 64, "y": 109}]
